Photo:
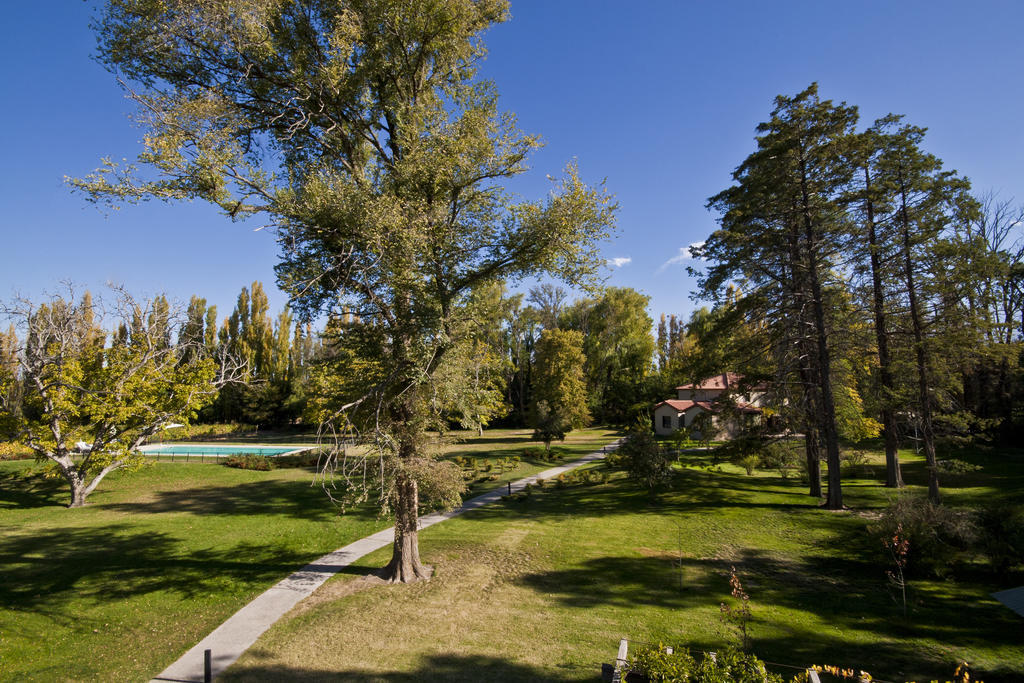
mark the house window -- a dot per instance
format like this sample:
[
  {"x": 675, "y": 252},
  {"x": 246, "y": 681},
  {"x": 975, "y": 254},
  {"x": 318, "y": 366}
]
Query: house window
[{"x": 666, "y": 422}]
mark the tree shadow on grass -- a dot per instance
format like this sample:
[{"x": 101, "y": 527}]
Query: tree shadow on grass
[
  {"x": 26, "y": 489},
  {"x": 295, "y": 499},
  {"x": 47, "y": 569},
  {"x": 848, "y": 593},
  {"x": 438, "y": 667}
]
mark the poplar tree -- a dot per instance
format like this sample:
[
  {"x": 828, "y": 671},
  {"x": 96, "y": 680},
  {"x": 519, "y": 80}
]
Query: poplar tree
[
  {"x": 559, "y": 391},
  {"x": 359, "y": 130}
]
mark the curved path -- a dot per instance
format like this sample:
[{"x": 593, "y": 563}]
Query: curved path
[{"x": 229, "y": 640}]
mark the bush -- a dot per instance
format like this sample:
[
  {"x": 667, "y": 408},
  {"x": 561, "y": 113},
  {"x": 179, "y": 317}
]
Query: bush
[
  {"x": 853, "y": 460},
  {"x": 645, "y": 460},
  {"x": 749, "y": 462},
  {"x": 535, "y": 452},
  {"x": 938, "y": 535},
  {"x": 784, "y": 457},
  {"x": 955, "y": 466},
  {"x": 13, "y": 451},
  {"x": 251, "y": 462},
  {"x": 728, "y": 666},
  {"x": 1002, "y": 535}
]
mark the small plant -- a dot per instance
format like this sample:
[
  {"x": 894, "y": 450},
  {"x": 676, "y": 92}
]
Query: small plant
[
  {"x": 535, "y": 452},
  {"x": 853, "y": 460},
  {"x": 738, "y": 616},
  {"x": 940, "y": 535},
  {"x": 898, "y": 547},
  {"x": 749, "y": 463}
]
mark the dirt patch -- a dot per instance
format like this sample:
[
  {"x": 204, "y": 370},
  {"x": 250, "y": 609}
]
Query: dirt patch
[{"x": 336, "y": 590}]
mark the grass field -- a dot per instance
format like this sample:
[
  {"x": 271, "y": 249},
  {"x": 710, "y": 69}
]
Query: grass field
[
  {"x": 543, "y": 589},
  {"x": 117, "y": 590}
]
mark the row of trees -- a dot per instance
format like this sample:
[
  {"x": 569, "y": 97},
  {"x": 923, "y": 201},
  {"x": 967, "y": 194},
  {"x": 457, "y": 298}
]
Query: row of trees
[{"x": 863, "y": 279}]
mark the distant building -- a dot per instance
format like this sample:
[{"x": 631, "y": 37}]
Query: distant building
[{"x": 706, "y": 396}]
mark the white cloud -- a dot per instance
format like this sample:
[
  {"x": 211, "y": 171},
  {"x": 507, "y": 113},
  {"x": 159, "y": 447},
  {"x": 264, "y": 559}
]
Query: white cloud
[
  {"x": 685, "y": 254},
  {"x": 619, "y": 261}
]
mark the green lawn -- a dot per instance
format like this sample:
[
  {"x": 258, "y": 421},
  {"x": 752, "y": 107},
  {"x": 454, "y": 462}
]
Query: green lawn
[
  {"x": 157, "y": 559},
  {"x": 543, "y": 589}
]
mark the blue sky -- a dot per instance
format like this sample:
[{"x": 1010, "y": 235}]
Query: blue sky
[{"x": 660, "y": 99}]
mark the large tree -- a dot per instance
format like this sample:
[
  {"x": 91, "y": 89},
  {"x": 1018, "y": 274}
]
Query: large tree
[
  {"x": 84, "y": 405},
  {"x": 359, "y": 130},
  {"x": 619, "y": 349},
  {"x": 559, "y": 391},
  {"x": 782, "y": 227}
]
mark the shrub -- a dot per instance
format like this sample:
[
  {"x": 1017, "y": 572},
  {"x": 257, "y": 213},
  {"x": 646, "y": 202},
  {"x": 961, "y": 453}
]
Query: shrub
[
  {"x": 251, "y": 462},
  {"x": 937, "y": 535},
  {"x": 749, "y": 462},
  {"x": 955, "y": 466},
  {"x": 645, "y": 460},
  {"x": 783, "y": 456},
  {"x": 535, "y": 452},
  {"x": 13, "y": 451},
  {"x": 728, "y": 666},
  {"x": 1002, "y": 535},
  {"x": 853, "y": 460},
  {"x": 615, "y": 461}
]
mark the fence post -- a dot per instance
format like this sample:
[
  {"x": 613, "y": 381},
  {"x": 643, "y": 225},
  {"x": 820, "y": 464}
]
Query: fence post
[
  {"x": 620, "y": 661},
  {"x": 510, "y": 488},
  {"x": 207, "y": 667}
]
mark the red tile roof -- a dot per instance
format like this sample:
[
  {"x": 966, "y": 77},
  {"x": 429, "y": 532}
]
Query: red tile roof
[{"x": 683, "y": 406}]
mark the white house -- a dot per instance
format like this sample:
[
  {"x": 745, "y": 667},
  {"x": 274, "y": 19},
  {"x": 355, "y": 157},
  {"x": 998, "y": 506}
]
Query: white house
[{"x": 704, "y": 396}]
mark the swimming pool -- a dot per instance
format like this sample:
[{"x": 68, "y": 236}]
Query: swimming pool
[{"x": 219, "y": 450}]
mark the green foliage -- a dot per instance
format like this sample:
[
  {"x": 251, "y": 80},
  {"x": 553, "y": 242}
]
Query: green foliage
[
  {"x": 559, "y": 391},
  {"x": 250, "y": 461},
  {"x": 704, "y": 427},
  {"x": 956, "y": 466},
  {"x": 644, "y": 458},
  {"x": 938, "y": 536},
  {"x": 72, "y": 387},
  {"x": 386, "y": 185},
  {"x": 785, "y": 457},
  {"x": 618, "y": 347},
  {"x": 749, "y": 462},
  {"x": 1002, "y": 535},
  {"x": 726, "y": 666}
]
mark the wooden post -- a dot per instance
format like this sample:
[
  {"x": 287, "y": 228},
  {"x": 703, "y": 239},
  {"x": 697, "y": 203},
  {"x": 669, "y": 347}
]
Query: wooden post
[
  {"x": 510, "y": 488},
  {"x": 812, "y": 676},
  {"x": 207, "y": 666},
  {"x": 620, "y": 661}
]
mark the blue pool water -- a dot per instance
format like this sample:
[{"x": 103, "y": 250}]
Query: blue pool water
[{"x": 219, "y": 451}]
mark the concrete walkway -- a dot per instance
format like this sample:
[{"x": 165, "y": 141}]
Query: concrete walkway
[{"x": 229, "y": 640}]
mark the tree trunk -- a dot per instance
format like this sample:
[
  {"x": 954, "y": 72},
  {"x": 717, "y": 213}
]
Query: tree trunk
[
  {"x": 921, "y": 355},
  {"x": 405, "y": 565},
  {"x": 812, "y": 437},
  {"x": 812, "y": 446},
  {"x": 893, "y": 474},
  {"x": 78, "y": 487},
  {"x": 822, "y": 360}
]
